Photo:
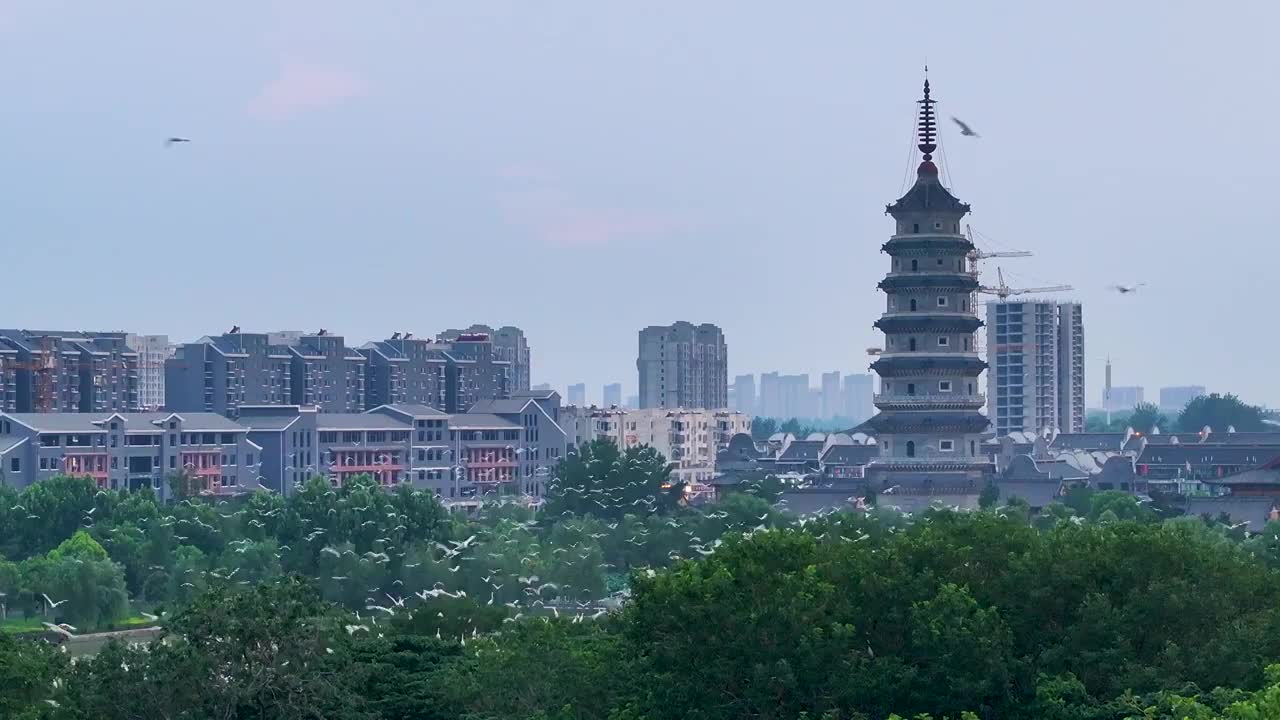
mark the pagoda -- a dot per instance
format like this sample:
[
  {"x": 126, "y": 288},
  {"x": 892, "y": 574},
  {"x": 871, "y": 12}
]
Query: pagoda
[{"x": 929, "y": 427}]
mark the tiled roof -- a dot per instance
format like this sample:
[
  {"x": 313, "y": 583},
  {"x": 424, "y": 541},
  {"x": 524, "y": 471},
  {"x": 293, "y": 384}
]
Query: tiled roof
[
  {"x": 506, "y": 406},
  {"x": 414, "y": 410},
  {"x": 850, "y": 454},
  {"x": 95, "y": 422},
  {"x": 480, "y": 421},
  {"x": 801, "y": 451},
  {"x": 358, "y": 421}
]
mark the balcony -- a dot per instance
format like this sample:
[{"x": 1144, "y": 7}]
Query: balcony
[{"x": 920, "y": 402}]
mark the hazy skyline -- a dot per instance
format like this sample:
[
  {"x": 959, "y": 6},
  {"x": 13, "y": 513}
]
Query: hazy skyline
[{"x": 583, "y": 170}]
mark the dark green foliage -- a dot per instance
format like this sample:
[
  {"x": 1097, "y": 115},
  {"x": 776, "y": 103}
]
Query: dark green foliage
[
  {"x": 606, "y": 482},
  {"x": 1220, "y": 412}
]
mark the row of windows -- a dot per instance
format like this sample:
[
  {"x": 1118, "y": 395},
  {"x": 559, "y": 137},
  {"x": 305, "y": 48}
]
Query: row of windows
[
  {"x": 943, "y": 341},
  {"x": 135, "y": 464}
]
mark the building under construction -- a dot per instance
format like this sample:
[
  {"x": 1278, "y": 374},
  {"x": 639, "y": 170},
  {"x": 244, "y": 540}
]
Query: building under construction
[
  {"x": 1035, "y": 354},
  {"x": 45, "y": 371}
]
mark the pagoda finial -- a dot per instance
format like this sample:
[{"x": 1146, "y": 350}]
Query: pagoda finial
[{"x": 927, "y": 127}]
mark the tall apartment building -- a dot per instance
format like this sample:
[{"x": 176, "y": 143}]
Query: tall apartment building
[
  {"x": 153, "y": 351},
  {"x": 327, "y": 374},
  {"x": 509, "y": 345},
  {"x": 859, "y": 393},
  {"x": 1035, "y": 351},
  {"x": 612, "y": 395},
  {"x": 744, "y": 394},
  {"x": 683, "y": 366},
  {"x": 577, "y": 394},
  {"x": 220, "y": 373},
  {"x": 1174, "y": 399},
  {"x": 831, "y": 402},
  {"x": 45, "y": 371}
]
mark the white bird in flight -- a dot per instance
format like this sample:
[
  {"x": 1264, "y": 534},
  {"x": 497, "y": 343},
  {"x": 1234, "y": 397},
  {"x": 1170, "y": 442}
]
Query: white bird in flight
[
  {"x": 170, "y": 142},
  {"x": 964, "y": 129}
]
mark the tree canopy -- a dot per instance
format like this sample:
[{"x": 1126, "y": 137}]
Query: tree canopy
[{"x": 1220, "y": 412}]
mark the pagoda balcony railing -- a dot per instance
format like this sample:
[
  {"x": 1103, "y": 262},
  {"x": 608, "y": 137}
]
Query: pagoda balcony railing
[
  {"x": 924, "y": 401},
  {"x": 927, "y": 354},
  {"x": 931, "y": 312}
]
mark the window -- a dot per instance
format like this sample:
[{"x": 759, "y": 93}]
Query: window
[
  {"x": 208, "y": 438},
  {"x": 173, "y": 462},
  {"x": 915, "y": 228},
  {"x": 937, "y": 225},
  {"x": 911, "y": 448},
  {"x": 173, "y": 425},
  {"x": 911, "y": 388},
  {"x": 44, "y": 463},
  {"x": 972, "y": 448},
  {"x": 228, "y": 438},
  {"x": 944, "y": 341},
  {"x": 915, "y": 265},
  {"x": 947, "y": 445},
  {"x": 968, "y": 342},
  {"x": 911, "y": 344},
  {"x": 173, "y": 439},
  {"x": 115, "y": 463},
  {"x": 15, "y": 465},
  {"x": 913, "y": 305},
  {"x": 50, "y": 440},
  {"x": 944, "y": 386},
  {"x": 942, "y": 301}
]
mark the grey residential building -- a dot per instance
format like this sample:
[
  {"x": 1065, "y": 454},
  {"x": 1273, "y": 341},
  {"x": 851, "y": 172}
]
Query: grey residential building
[
  {"x": 577, "y": 394},
  {"x": 509, "y": 345},
  {"x": 1174, "y": 399},
  {"x": 220, "y": 373},
  {"x": 683, "y": 366},
  {"x": 744, "y": 394},
  {"x": 128, "y": 450},
  {"x": 46, "y": 371},
  {"x": 153, "y": 351},
  {"x": 327, "y": 374},
  {"x": 1036, "y": 354},
  {"x": 611, "y": 395}
]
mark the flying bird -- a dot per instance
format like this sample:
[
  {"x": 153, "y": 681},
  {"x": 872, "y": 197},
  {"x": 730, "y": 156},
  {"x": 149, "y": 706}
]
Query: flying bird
[
  {"x": 1126, "y": 289},
  {"x": 170, "y": 142},
  {"x": 964, "y": 129}
]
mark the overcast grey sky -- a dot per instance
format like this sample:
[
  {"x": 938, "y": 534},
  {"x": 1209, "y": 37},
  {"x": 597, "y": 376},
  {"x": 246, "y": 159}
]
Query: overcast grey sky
[{"x": 583, "y": 169}]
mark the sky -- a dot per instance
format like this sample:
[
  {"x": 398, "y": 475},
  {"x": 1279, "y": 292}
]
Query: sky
[{"x": 584, "y": 169}]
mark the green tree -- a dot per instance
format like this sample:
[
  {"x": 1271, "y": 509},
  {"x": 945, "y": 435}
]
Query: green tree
[
  {"x": 27, "y": 674},
  {"x": 763, "y": 427},
  {"x": 1220, "y": 412},
  {"x": 602, "y": 481},
  {"x": 1146, "y": 417}
]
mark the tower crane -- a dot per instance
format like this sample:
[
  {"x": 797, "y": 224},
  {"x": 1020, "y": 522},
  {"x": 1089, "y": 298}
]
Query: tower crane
[
  {"x": 1003, "y": 291},
  {"x": 975, "y": 254}
]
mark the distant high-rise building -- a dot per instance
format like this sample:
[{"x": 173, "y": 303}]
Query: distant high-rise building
[
  {"x": 831, "y": 401},
  {"x": 152, "y": 351},
  {"x": 859, "y": 393},
  {"x": 1035, "y": 351},
  {"x": 612, "y": 395},
  {"x": 683, "y": 365},
  {"x": 633, "y": 402},
  {"x": 1124, "y": 397},
  {"x": 577, "y": 394},
  {"x": 795, "y": 396},
  {"x": 744, "y": 394},
  {"x": 1174, "y": 399},
  {"x": 769, "y": 404},
  {"x": 542, "y": 387}
]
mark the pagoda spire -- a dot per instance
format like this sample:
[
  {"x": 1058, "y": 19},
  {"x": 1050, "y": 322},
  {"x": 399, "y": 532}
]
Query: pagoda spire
[{"x": 927, "y": 129}]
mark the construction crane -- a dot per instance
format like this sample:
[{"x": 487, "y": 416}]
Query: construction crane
[
  {"x": 1003, "y": 291},
  {"x": 975, "y": 254}
]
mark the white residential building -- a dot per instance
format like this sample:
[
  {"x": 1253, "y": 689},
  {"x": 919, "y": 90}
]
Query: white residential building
[
  {"x": 688, "y": 439},
  {"x": 152, "y": 351}
]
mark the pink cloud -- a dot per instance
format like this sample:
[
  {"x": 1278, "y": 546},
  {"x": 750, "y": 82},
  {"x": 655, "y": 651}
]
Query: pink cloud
[
  {"x": 560, "y": 220},
  {"x": 301, "y": 87}
]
